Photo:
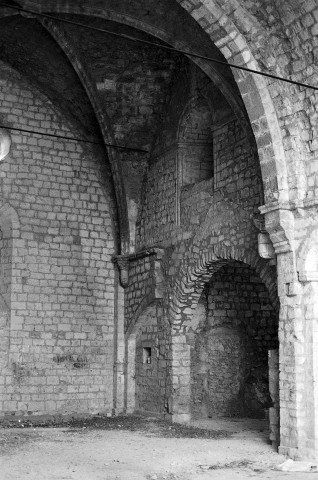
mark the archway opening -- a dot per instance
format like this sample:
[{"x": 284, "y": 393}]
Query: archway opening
[{"x": 234, "y": 342}]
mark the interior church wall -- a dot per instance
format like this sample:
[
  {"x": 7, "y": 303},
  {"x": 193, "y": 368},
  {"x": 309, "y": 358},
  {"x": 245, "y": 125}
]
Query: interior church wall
[
  {"x": 61, "y": 304},
  {"x": 229, "y": 357},
  {"x": 151, "y": 365},
  {"x": 216, "y": 214},
  {"x": 168, "y": 207}
]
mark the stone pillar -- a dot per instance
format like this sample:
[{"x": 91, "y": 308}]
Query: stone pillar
[
  {"x": 298, "y": 337},
  {"x": 273, "y": 369},
  {"x": 306, "y": 370},
  {"x": 119, "y": 350},
  {"x": 279, "y": 223},
  {"x": 290, "y": 368},
  {"x": 130, "y": 374},
  {"x": 179, "y": 404}
]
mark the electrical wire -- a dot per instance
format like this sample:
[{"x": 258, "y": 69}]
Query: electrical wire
[
  {"x": 73, "y": 139},
  {"x": 165, "y": 47}
]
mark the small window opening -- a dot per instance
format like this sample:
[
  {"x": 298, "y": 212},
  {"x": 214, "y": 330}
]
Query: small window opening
[{"x": 147, "y": 355}]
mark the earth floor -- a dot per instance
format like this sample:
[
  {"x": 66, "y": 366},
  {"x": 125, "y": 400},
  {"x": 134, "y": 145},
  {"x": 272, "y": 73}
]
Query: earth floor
[{"x": 143, "y": 448}]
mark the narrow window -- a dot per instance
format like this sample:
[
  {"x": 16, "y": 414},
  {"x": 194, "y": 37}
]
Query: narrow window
[{"x": 147, "y": 355}]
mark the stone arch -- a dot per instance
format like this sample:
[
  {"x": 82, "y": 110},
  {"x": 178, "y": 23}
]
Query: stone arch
[
  {"x": 155, "y": 31},
  {"x": 226, "y": 35},
  {"x": 190, "y": 280},
  {"x": 254, "y": 89},
  {"x": 195, "y": 116},
  {"x": 241, "y": 330},
  {"x": 195, "y": 142},
  {"x": 229, "y": 347},
  {"x": 307, "y": 259}
]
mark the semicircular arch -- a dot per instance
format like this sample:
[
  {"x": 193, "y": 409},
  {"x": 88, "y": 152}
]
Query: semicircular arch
[
  {"x": 190, "y": 281},
  {"x": 254, "y": 89}
]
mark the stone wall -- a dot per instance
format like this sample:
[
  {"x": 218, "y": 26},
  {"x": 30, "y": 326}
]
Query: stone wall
[
  {"x": 229, "y": 355},
  {"x": 157, "y": 218},
  {"x": 148, "y": 391},
  {"x": 145, "y": 283},
  {"x": 149, "y": 362},
  {"x": 198, "y": 215},
  {"x": 235, "y": 177},
  {"x": 201, "y": 149},
  {"x": 62, "y": 301}
]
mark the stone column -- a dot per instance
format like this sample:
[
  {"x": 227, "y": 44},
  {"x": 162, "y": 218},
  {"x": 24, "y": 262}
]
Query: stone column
[
  {"x": 290, "y": 352},
  {"x": 306, "y": 365},
  {"x": 298, "y": 328},
  {"x": 119, "y": 349},
  {"x": 130, "y": 374},
  {"x": 273, "y": 369},
  {"x": 179, "y": 404}
]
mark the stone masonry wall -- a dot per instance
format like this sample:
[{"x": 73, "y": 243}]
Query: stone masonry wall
[
  {"x": 236, "y": 176},
  {"x": 235, "y": 167},
  {"x": 6, "y": 242},
  {"x": 229, "y": 358},
  {"x": 172, "y": 192},
  {"x": 152, "y": 362},
  {"x": 145, "y": 283},
  {"x": 62, "y": 302},
  {"x": 216, "y": 216},
  {"x": 195, "y": 143},
  {"x": 158, "y": 209}
]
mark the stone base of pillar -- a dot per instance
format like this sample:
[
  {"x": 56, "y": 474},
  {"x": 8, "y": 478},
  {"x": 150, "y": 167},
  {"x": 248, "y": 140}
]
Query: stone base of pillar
[
  {"x": 298, "y": 455},
  {"x": 118, "y": 411},
  {"x": 181, "y": 418},
  {"x": 129, "y": 411}
]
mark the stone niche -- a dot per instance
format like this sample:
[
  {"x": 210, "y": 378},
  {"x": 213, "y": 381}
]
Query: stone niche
[
  {"x": 217, "y": 372},
  {"x": 234, "y": 327}
]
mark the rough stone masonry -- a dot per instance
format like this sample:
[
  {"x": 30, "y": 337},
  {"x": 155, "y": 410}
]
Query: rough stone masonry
[{"x": 177, "y": 275}]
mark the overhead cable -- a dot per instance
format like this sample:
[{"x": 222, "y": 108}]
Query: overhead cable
[
  {"x": 73, "y": 139},
  {"x": 165, "y": 47}
]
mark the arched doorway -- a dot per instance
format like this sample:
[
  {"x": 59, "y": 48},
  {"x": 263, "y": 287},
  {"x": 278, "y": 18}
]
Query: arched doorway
[
  {"x": 229, "y": 354},
  {"x": 230, "y": 342}
]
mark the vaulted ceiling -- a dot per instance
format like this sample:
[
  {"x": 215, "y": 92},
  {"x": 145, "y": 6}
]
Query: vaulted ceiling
[
  {"x": 130, "y": 81},
  {"x": 111, "y": 88}
]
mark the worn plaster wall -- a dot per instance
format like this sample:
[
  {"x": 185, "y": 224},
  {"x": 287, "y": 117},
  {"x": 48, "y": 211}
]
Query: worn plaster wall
[{"x": 61, "y": 305}]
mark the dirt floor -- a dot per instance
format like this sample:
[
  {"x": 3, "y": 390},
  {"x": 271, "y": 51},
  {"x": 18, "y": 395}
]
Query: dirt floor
[{"x": 131, "y": 448}]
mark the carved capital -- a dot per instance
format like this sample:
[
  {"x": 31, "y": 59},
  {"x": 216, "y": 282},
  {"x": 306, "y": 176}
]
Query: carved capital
[
  {"x": 265, "y": 246},
  {"x": 122, "y": 262},
  {"x": 279, "y": 223}
]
